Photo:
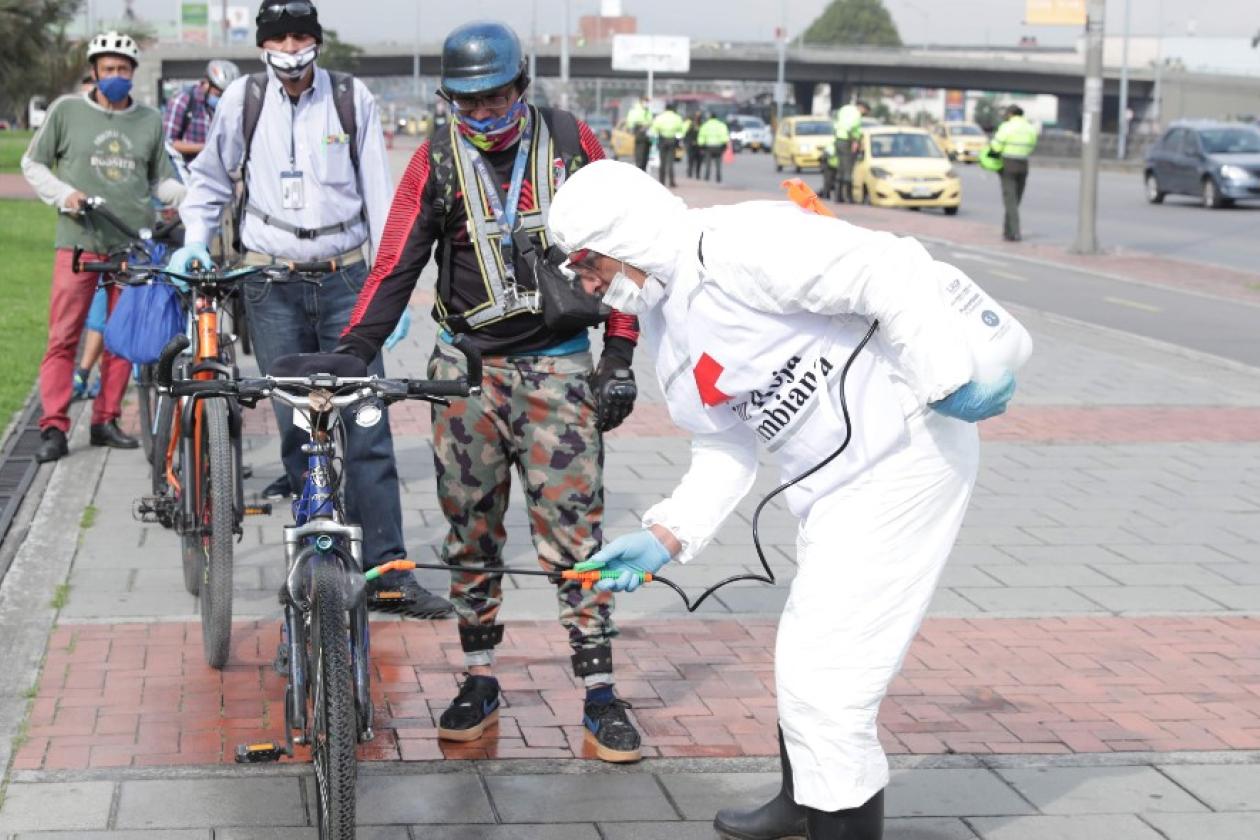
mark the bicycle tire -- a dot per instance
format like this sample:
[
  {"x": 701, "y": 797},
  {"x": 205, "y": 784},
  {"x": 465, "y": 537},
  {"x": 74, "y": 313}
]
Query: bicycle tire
[
  {"x": 214, "y": 506},
  {"x": 334, "y": 730},
  {"x": 146, "y": 400}
]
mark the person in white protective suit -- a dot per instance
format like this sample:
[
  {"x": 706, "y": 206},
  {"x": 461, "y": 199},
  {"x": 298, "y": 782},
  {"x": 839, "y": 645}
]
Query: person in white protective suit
[{"x": 752, "y": 311}]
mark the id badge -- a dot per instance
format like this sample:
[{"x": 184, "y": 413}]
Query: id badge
[{"x": 292, "y": 196}]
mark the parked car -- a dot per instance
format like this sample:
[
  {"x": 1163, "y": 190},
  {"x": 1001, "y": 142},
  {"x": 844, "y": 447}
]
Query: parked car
[
  {"x": 749, "y": 132},
  {"x": 802, "y": 141},
  {"x": 903, "y": 167},
  {"x": 36, "y": 109},
  {"x": 622, "y": 144},
  {"x": 960, "y": 140},
  {"x": 1218, "y": 162}
]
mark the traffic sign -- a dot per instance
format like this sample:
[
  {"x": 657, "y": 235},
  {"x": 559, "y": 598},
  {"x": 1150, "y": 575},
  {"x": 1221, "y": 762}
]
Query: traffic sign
[{"x": 655, "y": 53}]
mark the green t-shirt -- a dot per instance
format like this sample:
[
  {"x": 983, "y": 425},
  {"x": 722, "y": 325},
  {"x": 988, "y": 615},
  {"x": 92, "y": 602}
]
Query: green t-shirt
[{"x": 117, "y": 155}]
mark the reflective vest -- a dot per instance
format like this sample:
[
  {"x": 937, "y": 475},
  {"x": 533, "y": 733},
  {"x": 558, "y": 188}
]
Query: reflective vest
[
  {"x": 713, "y": 132},
  {"x": 668, "y": 125},
  {"x": 555, "y": 153},
  {"x": 848, "y": 123},
  {"x": 640, "y": 115},
  {"x": 1015, "y": 138}
]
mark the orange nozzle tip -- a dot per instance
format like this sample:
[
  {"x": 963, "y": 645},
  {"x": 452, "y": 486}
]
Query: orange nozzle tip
[{"x": 647, "y": 577}]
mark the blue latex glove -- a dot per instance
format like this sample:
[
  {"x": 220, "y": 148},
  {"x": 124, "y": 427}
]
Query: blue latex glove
[
  {"x": 977, "y": 401},
  {"x": 181, "y": 261},
  {"x": 630, "y": 555},
  {"x": 400, "y": 331}
]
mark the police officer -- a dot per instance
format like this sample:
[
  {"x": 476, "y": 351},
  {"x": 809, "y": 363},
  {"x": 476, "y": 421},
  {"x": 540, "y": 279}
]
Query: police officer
[
  {"x": 713, "y": 137},
  {"x": 542, "y": 409},
  {"x": 1014, "y": 142},
  {"x": 668, "y": 128},
  {"x": 838, "y": 170},
  {"x": 639, "y": 120}
]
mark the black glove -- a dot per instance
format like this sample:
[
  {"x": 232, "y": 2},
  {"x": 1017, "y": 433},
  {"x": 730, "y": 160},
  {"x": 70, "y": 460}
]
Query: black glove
[{"x": 613, "y": 384}]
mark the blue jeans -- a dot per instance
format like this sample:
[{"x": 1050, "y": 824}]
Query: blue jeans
[{"x": 289, "y": 318}]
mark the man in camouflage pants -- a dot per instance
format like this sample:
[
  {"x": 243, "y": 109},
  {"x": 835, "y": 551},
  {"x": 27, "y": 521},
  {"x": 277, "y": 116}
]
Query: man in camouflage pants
[{"x": 544, "y": 403}]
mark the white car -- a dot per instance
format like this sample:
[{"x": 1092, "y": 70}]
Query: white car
[{"x": 749, "y": 132}]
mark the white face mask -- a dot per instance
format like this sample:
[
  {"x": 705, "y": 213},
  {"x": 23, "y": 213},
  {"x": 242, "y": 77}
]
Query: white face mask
[
  {"x": 291, "y": 66},
  {"x": 626, "y": 296}
]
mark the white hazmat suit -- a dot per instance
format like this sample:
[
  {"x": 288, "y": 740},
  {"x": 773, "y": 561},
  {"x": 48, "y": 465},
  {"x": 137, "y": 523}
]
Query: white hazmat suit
[{"x": 763, "y": 305}]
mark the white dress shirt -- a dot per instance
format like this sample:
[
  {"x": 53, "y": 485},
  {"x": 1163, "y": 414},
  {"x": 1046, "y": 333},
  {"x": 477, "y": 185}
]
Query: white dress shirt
[{"x": 305, "y": 137}]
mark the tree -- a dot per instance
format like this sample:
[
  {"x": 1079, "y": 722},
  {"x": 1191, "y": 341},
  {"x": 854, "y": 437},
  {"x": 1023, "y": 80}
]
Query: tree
[
  {"x": 34, "y": 37},
  {"x": 864, "y": 22},
  {"x": 336, "y": 54},
  {"x": 986, "y": 115}
]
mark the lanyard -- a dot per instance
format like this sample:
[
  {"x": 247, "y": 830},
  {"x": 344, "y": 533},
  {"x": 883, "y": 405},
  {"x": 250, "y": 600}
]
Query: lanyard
[{"x": 506, "y": 217}]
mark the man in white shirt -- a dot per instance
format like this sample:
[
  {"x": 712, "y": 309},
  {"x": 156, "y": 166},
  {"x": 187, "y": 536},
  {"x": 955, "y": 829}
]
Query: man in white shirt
[{"x": 316, "y": 194}]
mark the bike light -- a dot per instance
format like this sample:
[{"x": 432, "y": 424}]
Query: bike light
[
  {"x": 368, "y": 414},
  {"x": 323, "y": 542}
]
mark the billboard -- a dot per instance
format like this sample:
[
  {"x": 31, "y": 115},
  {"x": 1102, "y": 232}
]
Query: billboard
[
  {"x": 658, "y": 53},
  {"x": 1055, "y": 13},
  {"x": 194, "y": 22}
]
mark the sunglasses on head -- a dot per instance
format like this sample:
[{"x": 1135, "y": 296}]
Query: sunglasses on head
[{"x": 293, "y": 8}]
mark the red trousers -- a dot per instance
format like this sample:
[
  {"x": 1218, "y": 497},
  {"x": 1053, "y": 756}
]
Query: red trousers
[{"x": 67, "y": 313}]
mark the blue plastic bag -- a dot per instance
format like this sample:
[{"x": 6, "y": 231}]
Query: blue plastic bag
[{"x": 145, "y": 318}]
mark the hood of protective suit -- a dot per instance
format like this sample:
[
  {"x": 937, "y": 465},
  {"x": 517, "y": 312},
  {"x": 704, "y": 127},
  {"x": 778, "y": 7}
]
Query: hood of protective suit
[{"x": 620, "y": 211}]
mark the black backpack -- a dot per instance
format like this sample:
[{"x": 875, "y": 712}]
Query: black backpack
[{"x": 255, "y": 87}]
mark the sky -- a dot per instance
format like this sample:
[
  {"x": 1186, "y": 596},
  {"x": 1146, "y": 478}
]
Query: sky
[{"x": 919, "y": 21}]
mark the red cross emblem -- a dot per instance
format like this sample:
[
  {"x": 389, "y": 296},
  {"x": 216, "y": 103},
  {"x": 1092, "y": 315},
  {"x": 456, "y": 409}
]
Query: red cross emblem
[{"x": 707, "y": 371}]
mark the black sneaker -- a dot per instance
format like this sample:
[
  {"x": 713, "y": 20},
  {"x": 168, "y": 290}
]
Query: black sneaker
[
  {"x": 610, "y": 731},
  {"x": 474, "y": 710},
  {"x": 52, "y": 445},
  {"x": 278, "y": 489},
  {"x": 401, "y": 594},
  {"x": 108, "y": 434}
]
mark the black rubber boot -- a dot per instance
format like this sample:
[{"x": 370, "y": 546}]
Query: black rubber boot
[
  {"x": 866, "y": 822},
  {"x": 779, "y": 819},
  {"x": 52, "y": 445}
]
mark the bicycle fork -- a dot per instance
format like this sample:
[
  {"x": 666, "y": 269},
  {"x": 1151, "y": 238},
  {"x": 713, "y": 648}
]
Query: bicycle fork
[{"x": 317, "y": 541}]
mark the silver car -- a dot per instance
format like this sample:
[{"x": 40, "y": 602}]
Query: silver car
[{"x": 749, "y": 132}]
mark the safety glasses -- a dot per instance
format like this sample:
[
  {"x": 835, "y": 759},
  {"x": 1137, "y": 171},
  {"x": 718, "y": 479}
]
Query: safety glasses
[
  {"x": 293, "y": 8},
  {"x": 494, "y": 100}
]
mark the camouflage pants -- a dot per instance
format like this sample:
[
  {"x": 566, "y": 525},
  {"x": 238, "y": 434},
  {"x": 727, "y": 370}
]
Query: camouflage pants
[{"x": 537, "y": 414}]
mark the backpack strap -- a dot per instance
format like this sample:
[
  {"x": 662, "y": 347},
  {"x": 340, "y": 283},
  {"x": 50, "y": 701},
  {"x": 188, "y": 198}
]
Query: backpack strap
[
  {"x": 343, "y": 100},
  {"x": 564, "y": 131},
  {"x": 255, "y": 90}
]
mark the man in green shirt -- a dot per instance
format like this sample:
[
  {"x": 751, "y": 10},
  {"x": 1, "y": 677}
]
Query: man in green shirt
[
  {"x": 669, "y": 129},
  {"x": 713, "y": 137},
  {"x": 99, "y": 143},
  {"x": 639, "y": 120},
  {"x": 838, "y": 168},
  {"x": 1014, "y": 140}
]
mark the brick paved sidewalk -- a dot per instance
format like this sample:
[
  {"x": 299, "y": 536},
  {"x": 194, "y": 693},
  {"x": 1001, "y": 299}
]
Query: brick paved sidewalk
[{"x": 140, "y": 694}]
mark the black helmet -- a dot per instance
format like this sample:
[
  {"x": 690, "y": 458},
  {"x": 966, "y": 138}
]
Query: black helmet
[{"x": 481, "y": 56}]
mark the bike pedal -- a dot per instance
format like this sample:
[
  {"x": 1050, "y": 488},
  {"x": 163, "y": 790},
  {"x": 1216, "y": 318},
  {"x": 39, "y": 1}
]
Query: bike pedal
[
  {"x": 261, "y": 509},
  {"x": 260, "y": 753}
]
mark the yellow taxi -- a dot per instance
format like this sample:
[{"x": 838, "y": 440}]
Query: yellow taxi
[
  {"x": 802, "y": 142},
  {"x": 902, "y": 167},
  {"x": 960, "y": 140},
  {"x": 622, "y": 144}
]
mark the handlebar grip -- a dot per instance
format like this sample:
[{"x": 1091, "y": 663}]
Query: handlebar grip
[
  {"x": 103, "y": 267},
  {"x": 463, "y": 344},
  {"x": 437, "y": 388},
  {"x": 166, "y": 361},
  {"x": 221, "y": 387}
]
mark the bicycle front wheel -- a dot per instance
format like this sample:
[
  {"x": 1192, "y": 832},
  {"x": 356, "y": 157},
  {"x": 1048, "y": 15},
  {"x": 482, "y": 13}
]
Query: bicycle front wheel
[
  {"x": 216, "y": 518},
  {"x": 334, "y": 733}
]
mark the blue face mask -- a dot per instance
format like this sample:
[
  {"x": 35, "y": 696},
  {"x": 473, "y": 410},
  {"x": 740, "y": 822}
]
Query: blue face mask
[
  {"x": 115, "y": 88},
  {"x": 212, "y": 101}
]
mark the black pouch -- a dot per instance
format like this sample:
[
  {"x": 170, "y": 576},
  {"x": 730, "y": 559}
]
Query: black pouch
[{"x": 566, "y": 306}]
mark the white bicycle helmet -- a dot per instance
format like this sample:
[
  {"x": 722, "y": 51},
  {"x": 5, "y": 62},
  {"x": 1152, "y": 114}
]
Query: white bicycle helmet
[
  {"x": 221, "y": 73},
  {"x": 114, "y": 43}
]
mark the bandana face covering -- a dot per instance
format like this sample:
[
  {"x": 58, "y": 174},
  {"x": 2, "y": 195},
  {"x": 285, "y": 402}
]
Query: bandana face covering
[
  {"x": 496, "y": 133},
  {"x": 626, "y": 296},
  {"x": 291, "y": 66}
]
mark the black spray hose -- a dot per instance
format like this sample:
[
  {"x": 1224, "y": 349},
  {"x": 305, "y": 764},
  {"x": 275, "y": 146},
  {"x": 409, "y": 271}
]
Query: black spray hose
[{"x": 558, "y": 575}]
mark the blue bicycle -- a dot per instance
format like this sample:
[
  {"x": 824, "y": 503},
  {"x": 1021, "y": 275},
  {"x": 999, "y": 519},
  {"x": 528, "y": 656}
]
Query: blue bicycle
[{"x": 324, "y": 649}]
